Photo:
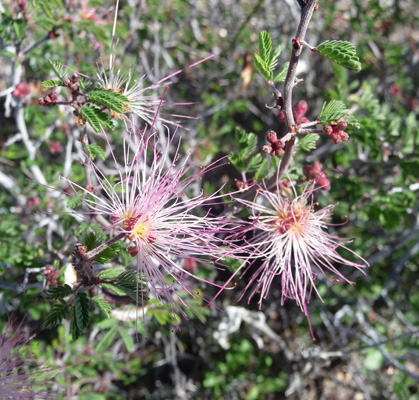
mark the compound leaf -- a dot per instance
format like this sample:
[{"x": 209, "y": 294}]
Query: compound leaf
[
  {"x": 340, "y": 52},
  {"x": 103, "y": 305},
  {"x": 96, "y": 118},
  {"x": 58, "y": 292},
  {"x": 262, "y": 67},
  {"x": 82, "y": 310},
  {"x": 93, "y": 150},
  {"x": 308, "y": 142},
  {"x": 58, "y": 312},
  {"x": 264, "y": 46},
  {"x": 110, "y": 99}
]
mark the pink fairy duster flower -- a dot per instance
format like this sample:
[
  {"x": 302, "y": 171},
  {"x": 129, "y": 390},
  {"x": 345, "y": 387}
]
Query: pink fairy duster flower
[
  {"x": 293, "y": 242},
  {"x": 17, "y": 377},
  {"x": 149, "y": 206}
]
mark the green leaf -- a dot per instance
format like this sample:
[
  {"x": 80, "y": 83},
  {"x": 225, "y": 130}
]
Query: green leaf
[
  {"x": 262, "y": 67},
  {"x": 352, "y": 122},
  {"x": 59, "y": 70},
  {"x": 308, "y": 142},
  {"x": 91, "y": 241},
  {"x": 263, "y": 170},
  {"x": 82, "y": 310},
  {"x": 332, "y": 111},
  {"x": 264, "y": 46},
  {"x": 94, "y": 150},
  {"x": 96, "y": 118},
  {"x": 108, "y": 254},
  {"x": 126, "y": 338},
  {"x": 106, "y": 323},
  {"x": 130, "y": 283},
  {"x": 254, "y": 163},
  {"x": 374, "y": 359},
  {"x": 273, "y": 59},
  {"x": 84, "y": 84},
  {"x": 340, "y": 52},
  {"x": 106, "y": 340},
  {"x": 282, "y": 73},
  {"x": 74, "y": 202},
  {"x": 103, "y": 305},
  {"x": 112, "y": 100},
  {"x": 51, "y": 83},
  {"x": 236, "y": 160},
  {"x": 75, "y": 330},
  {"x": 247, "y": 143},
  {"x": 58, "y": 292},
  {"x": 112, "y": 288},
  {"x": 111, "y": 273},
  {"x": 19, "y": 28},
  {"x": 58, "y": 312}
]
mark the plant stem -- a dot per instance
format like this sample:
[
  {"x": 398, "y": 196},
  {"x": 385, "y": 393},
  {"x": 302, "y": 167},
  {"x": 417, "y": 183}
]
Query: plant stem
[{"x": 306, "y": 14}]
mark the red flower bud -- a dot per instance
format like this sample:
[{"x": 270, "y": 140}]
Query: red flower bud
[
  {"x": 271, "y": 136},
  {"x": 300, "y": 109},
  {"x": 344, "y": 136},
  {"x": 335, "y": 137},
  {"x": 341, "y": 124},
  {"x": 327, "y": 129}
]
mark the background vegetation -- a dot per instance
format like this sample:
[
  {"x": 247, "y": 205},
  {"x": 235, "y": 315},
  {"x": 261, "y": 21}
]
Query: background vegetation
[{"x": 366, "y": 343}]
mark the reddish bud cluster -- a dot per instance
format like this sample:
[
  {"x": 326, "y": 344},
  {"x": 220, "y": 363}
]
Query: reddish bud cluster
[
  {"x": 276, "y": 147},
  {"x": 72, "y": 83},
  {"x": 49, "y": 100},
  {"x": 299, "y": 110},
  {"x": 314, "y": 173},
  {"x": 21, "y": 90},
  {"x": 336, "y": 131},
  {"x": 51, "y": 275}
]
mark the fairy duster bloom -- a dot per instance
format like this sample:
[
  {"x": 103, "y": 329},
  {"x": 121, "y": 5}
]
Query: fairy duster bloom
[
  {"x": 293, "y": 243},
  {"x": 16, "y": 373},
  {"x": 162, "y": 225}
]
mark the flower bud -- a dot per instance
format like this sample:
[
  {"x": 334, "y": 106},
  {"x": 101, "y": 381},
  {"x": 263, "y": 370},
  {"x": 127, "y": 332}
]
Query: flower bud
[
  {"x": 327, "y": 129},
  {"x": 335, "y": 137},
  {"x": 271, "y": 137},
  {"x": 300, "y": 109},
  {"x": 344, "y": 136},
  {"x": 341, "y": 124},
  {"x": 267, "y": 149}
]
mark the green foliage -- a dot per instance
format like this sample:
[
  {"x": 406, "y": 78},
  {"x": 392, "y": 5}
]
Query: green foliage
[
  {"x": 110, "y": 99},
  {"x": 96, "y": 118},
  {"x": 58, "y": 292},
  {"x": 282, "y": 74},
  {"x": 51, "y": 83},
  {"x": 91, "y": 241},
  {"x": 103, "y": 305},
  {"x": 131, "y": 284},
  {"x": 247, "y": 143},
  {"x": 238, "y": 360},
  {"x": 374, "y": 359},
  {"x": 335, "y": 109},
  {"x": 74, "y": 202},
  {"x": 59, "y": 70},
  {"x": 93, "y": 150},
  {"x": 59, "y": 311},
  {"x": 267, "y": 59},
  {"x": 340, "y": 52},
  {"x": 82, "y": 310},
  {"x": 308, "y": 142},
  {"x": 106, "y": 340}
]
